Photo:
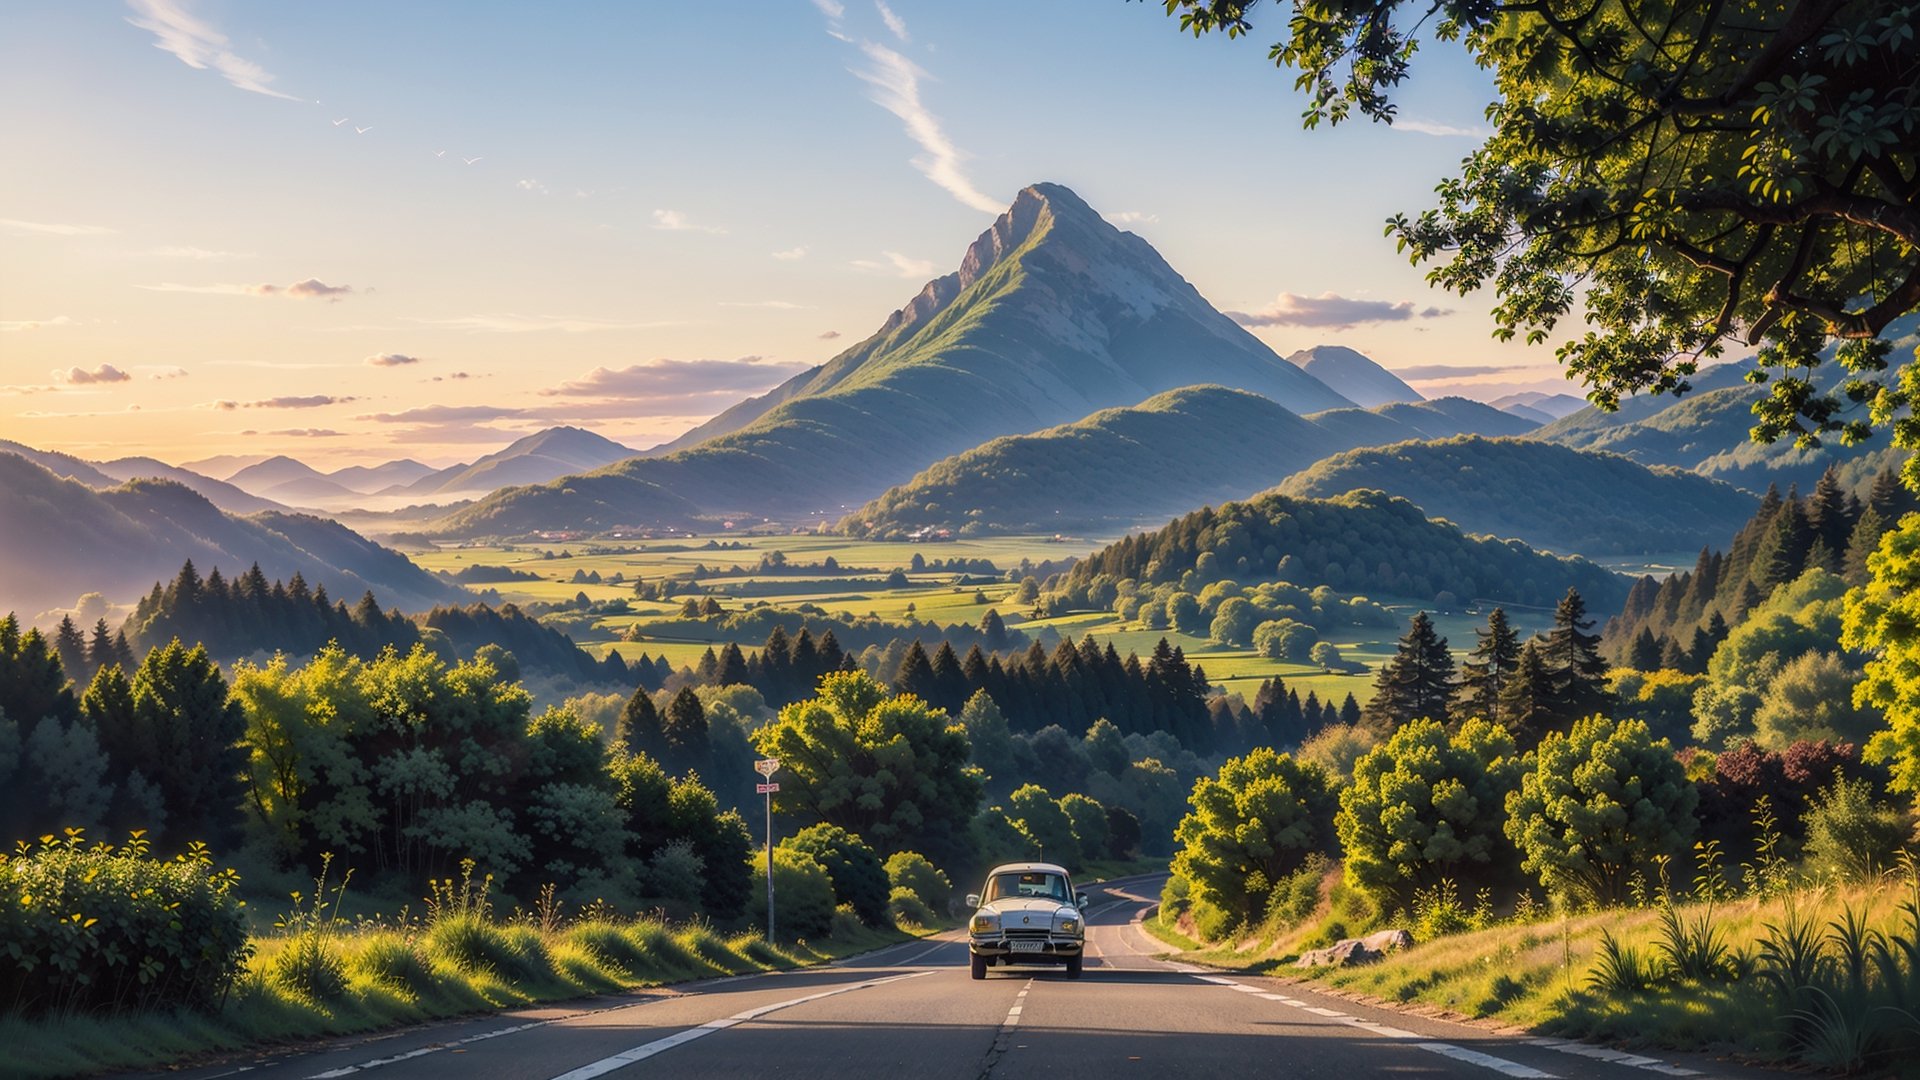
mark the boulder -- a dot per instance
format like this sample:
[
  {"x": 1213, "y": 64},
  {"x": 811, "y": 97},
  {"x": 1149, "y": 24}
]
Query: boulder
[{"x": 1352, "y": 952}]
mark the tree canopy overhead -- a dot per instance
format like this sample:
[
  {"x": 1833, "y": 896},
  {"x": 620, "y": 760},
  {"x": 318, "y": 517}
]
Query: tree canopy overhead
[{"x": 1689, "y": 173}]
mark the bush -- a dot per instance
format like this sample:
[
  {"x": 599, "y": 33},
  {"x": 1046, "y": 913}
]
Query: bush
[
  {"x": 803, "y": 895},
  {"x": 1849, "y": 834},
  {"x": 859, "y": 879},
  {"x": 911, "y": 871},
  {"x": 105, "y": 929},
  {"x": 908, "y": 909},
  {"x": 1598, "y": 806},
  {"x": 1296, "y": 896},
  {"x": 1286, "y": 639},
  {"x": 1253, "y": 823}
]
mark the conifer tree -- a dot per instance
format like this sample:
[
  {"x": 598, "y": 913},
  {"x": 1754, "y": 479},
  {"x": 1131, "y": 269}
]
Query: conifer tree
[
  {"x": 100, "y": 650},
  {"x": 1489, "y": 667},
  {"x": 1350, "y": 710},
  {"x": 1864, "y": 541},
  {"x": 1417, "y": 682},
  {"x": 1526, "y": 708},
  {"x": 638, "y": 729},
  {"x": 1674, "y": 657},
  {"x": 684, "y": 727},
  {"x": 1577, "y": 670},
  {"x": 73, "y": 651},
  {"x": 1644, "y": 654},
  {"x": 916, "y": 673}
]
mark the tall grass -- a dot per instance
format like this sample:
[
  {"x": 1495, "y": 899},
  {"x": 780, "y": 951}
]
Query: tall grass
[{"x": 319, "y": 974}]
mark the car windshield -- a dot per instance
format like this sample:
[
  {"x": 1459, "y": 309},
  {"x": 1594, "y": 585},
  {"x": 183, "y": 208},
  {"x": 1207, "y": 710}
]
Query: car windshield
[{"x": 1030, "y": 884}]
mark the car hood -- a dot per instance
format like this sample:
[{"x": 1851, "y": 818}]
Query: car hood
[{"x": 1036, "y": 907}]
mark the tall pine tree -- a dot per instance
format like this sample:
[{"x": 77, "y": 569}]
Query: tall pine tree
[
  {"x": 1489, "y": 667},
  {"x": 1575, "y": 668},
  {"x": 1416, "y": 683}
]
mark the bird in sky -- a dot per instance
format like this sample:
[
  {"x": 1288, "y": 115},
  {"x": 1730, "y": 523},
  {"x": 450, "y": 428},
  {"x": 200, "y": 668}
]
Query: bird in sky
[
  {"x": 439, "y": 153},
  {"x": 340, "y": 121},
  {"x": 470, "y": 160},
  {"x": 358, "y": 130}
]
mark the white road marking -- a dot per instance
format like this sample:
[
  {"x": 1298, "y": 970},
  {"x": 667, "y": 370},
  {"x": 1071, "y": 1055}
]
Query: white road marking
[
  {"x": 1487, "y": 1061},
  {"x": 1617, "y": 1057},
  {"x": 349, "y": 1070},
  {"x": 647, "y": 1050},
  {"x": 909, "y": 962},
  {"x": 1019, "y": 1006}
]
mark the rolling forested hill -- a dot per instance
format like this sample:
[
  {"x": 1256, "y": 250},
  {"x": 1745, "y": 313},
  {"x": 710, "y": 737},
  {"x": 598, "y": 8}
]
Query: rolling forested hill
[
  {"x": 1547, "y": 495},
  {"x": 61, "y": 538},
  {"x": 1363, "y": 542},
  {"x": 1122, "y": 467},
  {"x": 1053, "y": 315}
]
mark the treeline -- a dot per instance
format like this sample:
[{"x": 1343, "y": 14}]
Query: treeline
[
  {"x": 853, "y": 632},
  {"x": 1363, "y": 541},
  {"x": 400, "y": 766},
  {"x": 1678, "y": 622},
  {"x": 249, "y": 615}
]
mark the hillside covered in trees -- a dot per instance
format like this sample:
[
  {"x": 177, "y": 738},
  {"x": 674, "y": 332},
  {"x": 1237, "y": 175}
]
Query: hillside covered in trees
[
  {"x": 1362, "y": 541},
  {"x": 1122, "y": 467},
  {"x": 61, "y": 538},
  {"x": 1547, "y": 495}
]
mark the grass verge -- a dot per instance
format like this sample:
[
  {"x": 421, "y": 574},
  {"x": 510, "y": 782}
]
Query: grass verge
[{"x": 319, "y": 985}]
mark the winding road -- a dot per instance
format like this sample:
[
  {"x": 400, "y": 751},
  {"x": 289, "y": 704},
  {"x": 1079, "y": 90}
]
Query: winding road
[{"x": 911, "y": 1011}]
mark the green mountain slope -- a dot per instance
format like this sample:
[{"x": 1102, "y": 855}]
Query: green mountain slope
[
  {"x": 1547, "y": 495},
  {"x": 1053, "y": 314},
  {"x": 1363, "y": 541},
  {"x": 60, "y": 538},
  {"x": 1122, "y": 467}
]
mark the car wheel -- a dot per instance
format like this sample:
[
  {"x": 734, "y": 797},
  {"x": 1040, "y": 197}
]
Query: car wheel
[
  {"x": 979, "y": 967},
  {"x": 1073, "y": 966}
]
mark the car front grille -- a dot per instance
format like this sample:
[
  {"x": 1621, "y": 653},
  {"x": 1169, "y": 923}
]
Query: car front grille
[{"x": 1026, "y": 933}]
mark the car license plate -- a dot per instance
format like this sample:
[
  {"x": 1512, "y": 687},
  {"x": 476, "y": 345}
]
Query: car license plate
[{"x": 1027, "y": 946}]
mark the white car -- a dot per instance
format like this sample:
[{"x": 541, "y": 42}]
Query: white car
[{"x": 1027, "y": 913}]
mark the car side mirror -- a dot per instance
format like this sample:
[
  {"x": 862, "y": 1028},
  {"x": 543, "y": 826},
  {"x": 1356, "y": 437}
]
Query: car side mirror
[
  {"x": 973, "y": 899},
  {"x": 1082, "y": 900}
]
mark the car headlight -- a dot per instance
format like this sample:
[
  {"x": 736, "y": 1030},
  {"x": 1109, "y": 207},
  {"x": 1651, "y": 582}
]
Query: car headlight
[
  {"x": 984, "y": 924},
  {"x": 1069, "y": 926}
]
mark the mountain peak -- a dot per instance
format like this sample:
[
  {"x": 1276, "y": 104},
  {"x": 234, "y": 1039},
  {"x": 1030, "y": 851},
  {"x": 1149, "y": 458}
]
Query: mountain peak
[{"x": 1354, "y": 375}]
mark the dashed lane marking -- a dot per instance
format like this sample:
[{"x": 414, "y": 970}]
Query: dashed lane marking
[
  {"x": 680, "y": 1038},
  {"x": 1616, "y": 1057}
]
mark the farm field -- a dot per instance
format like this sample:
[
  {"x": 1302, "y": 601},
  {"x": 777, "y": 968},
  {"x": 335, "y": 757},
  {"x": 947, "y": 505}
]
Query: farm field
[{"x": 860, "y": 590}]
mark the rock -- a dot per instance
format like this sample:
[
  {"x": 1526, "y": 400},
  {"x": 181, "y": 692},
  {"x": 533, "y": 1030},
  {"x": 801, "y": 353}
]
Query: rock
[
  {"x": 1352, "y": 952},
  {"x": 1386, "y": 941}
]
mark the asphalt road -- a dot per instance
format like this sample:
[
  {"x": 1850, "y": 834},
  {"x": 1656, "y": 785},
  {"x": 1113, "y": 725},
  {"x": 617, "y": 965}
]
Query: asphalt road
[{"x": 912, "y": 1011}]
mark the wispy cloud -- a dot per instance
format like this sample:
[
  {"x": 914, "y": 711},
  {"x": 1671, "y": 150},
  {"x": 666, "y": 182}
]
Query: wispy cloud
[
  {"x": 289, "y": 401},
  {"x": 896, "y": 25},
  {"x": 199, "y": 45},
  {"x": 161, "y": 371},
  {"x": 310, "y": 289},
  {"x": 791, "y": 254},
  {"x": 105, "y": 373},
  {"x": 1436, "y": 372},
  {"x": 832, "y": 9},
  {"x": 197, "y": 253},
  {"x": 34, "y": 324},
  {"x": 534, "y": 186},
  {"x": 1427, "y": 127},
  {"x": 776, "y": 305},
  {"x": 510, "y": 323},
  {"x": 829, "y": 335},
  {"x": 49, "y": 228},
  {"x": 447, "y": 414},
  {"x": 896, "y": 88},
  {"x": 662, "y": 380},
  {"x": 675, "y": 221},
  {"x": 391, "y": 359},
  {"x": 899, "y": 264},
  {"x": 308, "y": 433},
  {"x": 1132, "y": 217},
  {"x": 1332, "y": 311}
]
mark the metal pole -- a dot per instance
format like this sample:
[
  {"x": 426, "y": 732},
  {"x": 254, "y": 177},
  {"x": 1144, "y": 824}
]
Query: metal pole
[{"x": 769, "y": 867}]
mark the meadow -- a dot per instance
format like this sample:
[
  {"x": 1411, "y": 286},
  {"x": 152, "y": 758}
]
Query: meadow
[{"x": 860, "y": 589}]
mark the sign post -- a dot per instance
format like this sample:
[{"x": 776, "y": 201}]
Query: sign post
[{"x": 766, "y": 767}]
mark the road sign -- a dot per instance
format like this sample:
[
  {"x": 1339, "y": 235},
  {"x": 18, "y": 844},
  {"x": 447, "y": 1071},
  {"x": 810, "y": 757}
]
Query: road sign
[
  {"x": 767, "y": 766},
  {"x": 765, "y": 789}
]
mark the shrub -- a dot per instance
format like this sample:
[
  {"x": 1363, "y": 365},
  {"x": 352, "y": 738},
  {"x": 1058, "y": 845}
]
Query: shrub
[
  {"x": 1425, "y": 807},
  {"x": 100, "y": 929},
  {"x": 1253, "y": 823},
  {"x": 1598, "y": 806},
  {"x": 1849, "y": 834},
  {"x": 1297, "y": 895},
  {"x": 859, "y": 879},
  {"x": 803, "y": 895},
  {"x": 907, "y": 908},
  {"x": 912, "y": 871}
]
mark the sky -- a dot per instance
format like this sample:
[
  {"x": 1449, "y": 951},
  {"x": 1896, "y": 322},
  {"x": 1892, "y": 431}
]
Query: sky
[{"x": 354, "y": 232}]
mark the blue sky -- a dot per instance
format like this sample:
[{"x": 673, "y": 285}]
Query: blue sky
[{"x": 362, "y": 230}]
